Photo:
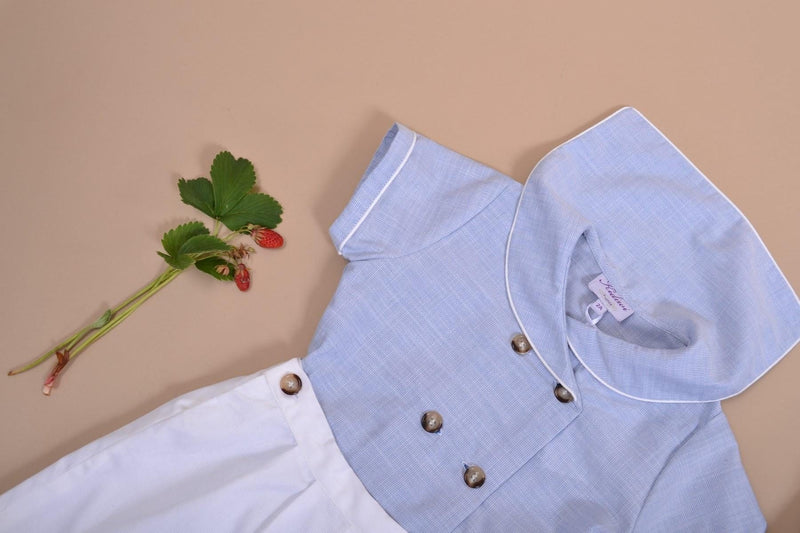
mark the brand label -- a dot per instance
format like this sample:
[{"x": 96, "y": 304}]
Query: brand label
[{"x": 611, "y": 299}]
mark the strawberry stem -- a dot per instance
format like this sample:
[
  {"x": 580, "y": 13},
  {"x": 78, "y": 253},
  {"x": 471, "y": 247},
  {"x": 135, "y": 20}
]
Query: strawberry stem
[
  {"x": 230, "y": 235},
  {"x": 159, "y": 283},
  {"x": 132, "y": 303},
  {"x": 39, "y": 360}
]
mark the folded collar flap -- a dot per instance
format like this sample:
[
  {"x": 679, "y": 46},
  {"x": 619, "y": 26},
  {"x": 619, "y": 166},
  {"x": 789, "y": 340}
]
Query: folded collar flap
[{"x": 712, "y": 312}]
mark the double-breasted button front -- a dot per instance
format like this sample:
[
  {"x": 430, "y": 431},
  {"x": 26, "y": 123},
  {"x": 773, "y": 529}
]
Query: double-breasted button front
[
  {"x": 432, "y": 421},
  {"x": 474, "y": 476},
  {"x": 562, "y": 394},
  {"x": 291, "y": 384},
  {"x": 520, "y": 344}
]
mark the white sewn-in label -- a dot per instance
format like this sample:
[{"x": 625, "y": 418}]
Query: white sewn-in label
[
  {"x": 598, "y": 308},
  {"x": 610, "y": 298}
]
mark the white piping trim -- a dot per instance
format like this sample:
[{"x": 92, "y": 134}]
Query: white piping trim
[
  {"x": 678, "y": 401},
  {"x": 508, "y": 248},
  {"x": 383, "y": 189},
  {"x": 729, "y": 201},
  {"x": 514, "y": 309}
]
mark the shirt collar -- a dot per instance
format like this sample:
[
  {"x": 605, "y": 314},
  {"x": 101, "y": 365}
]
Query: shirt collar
[{"x": 685, "y": 258}]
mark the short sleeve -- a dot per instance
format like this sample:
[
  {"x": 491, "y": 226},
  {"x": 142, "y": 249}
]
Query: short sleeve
[
  {"x": 413, "y": 193},
  {"x": 703, "y": 487}
]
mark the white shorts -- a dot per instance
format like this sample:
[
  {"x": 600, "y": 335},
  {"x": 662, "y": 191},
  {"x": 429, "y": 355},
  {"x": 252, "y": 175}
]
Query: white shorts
[{"x": 236, "y": 456}]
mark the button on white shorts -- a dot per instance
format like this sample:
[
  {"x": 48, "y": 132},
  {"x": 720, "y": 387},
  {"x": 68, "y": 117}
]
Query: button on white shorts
[{"x": 236, "y": 456}]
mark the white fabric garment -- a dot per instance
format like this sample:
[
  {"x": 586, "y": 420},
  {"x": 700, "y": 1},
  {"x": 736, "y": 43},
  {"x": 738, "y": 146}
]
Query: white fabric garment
[{"x": 238, "y": 456}]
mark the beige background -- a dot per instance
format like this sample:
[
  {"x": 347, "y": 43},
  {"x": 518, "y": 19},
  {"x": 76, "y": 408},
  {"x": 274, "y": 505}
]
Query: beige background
[{"x": 105, "y": 104}]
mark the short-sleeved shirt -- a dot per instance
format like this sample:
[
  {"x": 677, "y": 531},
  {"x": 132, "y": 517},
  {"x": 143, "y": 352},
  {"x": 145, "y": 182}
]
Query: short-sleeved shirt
[{"x": 575, "y": 333}]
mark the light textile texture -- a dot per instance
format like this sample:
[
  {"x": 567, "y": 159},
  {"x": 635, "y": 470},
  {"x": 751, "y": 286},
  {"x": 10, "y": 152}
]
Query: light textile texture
[
  {"x": 449, "y": 260},
  {"x": 236, "y": 456},
  {"x": 575, "y": 333}
]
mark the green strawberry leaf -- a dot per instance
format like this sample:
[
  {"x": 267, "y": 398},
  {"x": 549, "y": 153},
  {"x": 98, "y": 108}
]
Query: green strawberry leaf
[
  {"x": 176, "y": 237},
  {"x": 232, "y": 178},
  {"x": 198, "y": 193},
  {"x": 180, "y": 262},
  {"x": 203, "y": 243},
  {"x": 254, "y": 208},
  {"x": 209, "y": 266}
]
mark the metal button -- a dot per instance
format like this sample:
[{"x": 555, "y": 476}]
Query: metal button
[
  {"x": 520, "y": 344},
  {"x": 432, "y": 421},
  {"x": 474, "y": 476},
  {"x": 562, "y": 394},
  {"x": 291, "y": 384}
]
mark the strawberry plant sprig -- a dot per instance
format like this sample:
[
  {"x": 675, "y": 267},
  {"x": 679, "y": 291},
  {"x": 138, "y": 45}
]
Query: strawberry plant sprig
[{"x": 229, "y": 199}]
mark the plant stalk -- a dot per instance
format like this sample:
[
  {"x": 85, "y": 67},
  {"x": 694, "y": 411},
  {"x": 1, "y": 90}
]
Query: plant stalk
[
  {"x": 131, "y": 303},
  {"x": 159, "y": 284}
]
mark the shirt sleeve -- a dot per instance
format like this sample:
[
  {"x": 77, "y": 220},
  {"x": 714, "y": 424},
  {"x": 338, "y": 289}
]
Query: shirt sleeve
[
  {"x": 703, "y": 487},
  {"x": 413, "y": 193}
]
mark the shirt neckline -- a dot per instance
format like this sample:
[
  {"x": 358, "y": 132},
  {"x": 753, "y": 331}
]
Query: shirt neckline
[{"x": 549, "y": 219}]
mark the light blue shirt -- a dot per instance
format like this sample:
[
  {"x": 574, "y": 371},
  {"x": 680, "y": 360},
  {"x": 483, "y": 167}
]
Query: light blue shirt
[{"x": 449, "y": 260}]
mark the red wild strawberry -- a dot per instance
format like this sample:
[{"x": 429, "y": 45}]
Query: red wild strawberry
[
  {"x": 242, "y": 277},
  {"x": 267, "y": 238}
]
